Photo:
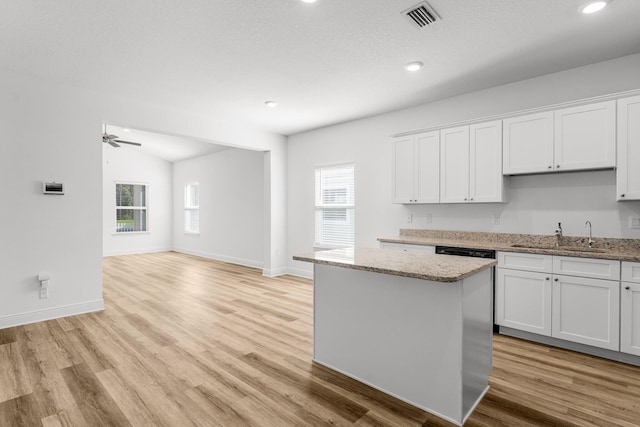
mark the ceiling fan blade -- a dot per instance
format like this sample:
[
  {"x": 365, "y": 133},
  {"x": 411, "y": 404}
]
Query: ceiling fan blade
[
  {"x": 128, "y": 142},
  {"x": 110, "y": 136},
  {"x": 113, "y": 144}
]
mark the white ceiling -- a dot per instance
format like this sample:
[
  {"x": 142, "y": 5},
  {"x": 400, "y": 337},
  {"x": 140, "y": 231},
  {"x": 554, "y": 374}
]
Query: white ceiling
[
  {"x": 327, "y": 62},
  {"x": 168, "y": 147}
]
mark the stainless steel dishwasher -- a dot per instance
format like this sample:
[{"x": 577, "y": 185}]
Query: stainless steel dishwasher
[{"x": 475, "y": 253}]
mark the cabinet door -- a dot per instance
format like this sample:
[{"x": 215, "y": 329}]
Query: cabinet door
[
  {"x": 523, "y": 300},
  {"x": 454, "y": 165},
  {"x": 402, "y": 173},
  {"x": 585, "y": 137},
  {"x": 427, "y": 167},
  {"x": 628, "y": 173},
  {"x": 586, "y": 311},
  {"x": 528, "y": 144},
  {"x": 486, "y": 182},
  {"x": 630, "y": 318}
]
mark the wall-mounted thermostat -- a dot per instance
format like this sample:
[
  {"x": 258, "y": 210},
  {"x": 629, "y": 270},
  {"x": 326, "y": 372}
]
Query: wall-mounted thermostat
[{"x": 52, "y": 188}]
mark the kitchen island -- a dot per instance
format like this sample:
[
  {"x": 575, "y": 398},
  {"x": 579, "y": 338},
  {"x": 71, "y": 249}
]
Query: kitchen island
[{"x": 415, "y": 326}]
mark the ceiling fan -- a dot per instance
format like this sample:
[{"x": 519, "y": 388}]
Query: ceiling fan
[{"x": 113, "y": 140}]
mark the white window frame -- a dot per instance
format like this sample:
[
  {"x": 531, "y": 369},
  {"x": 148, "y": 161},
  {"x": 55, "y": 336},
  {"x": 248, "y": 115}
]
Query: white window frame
[
  {"x": 321, "y": 208},
  {"x": 189, "y": 208},
  {"x": 144, "y": 208}
]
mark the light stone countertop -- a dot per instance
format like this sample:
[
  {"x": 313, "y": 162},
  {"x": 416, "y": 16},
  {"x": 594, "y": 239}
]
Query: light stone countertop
[
  {"x": 439, "y": 268},
  {"x": 604, "y": 248}
]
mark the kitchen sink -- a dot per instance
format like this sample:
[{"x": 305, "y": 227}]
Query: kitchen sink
[{"x": 559, "y": 248}]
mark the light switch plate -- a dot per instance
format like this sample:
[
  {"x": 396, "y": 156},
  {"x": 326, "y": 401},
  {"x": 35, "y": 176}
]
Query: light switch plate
[{"x": 634, "y": 222}]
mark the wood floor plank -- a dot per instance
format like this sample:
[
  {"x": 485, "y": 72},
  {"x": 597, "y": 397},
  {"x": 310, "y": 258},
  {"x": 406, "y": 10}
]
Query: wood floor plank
[
  {"x": 13, "y": 372},
  {"x": 187, "y": 341},
  {"x": 68, "y": 417},
  {"x": 95, "y": 404},
  {"x": 21, "y": 411}
]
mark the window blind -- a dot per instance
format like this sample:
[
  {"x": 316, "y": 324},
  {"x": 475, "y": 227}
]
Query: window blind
[{"x": 335, "y": 206}]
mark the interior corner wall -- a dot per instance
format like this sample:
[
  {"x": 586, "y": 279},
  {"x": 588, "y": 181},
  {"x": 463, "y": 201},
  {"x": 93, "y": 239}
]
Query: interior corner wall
[
  {"x": 52, "y": 132},
  {"x": 536, "y": 202},
  {"x": 131, "y": 165},
  {"x": 231, "y": 206},
  {"x": 49, "y": 134}
]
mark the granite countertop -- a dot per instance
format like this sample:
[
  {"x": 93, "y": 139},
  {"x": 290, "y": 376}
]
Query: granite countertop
[
  {"x": 604, "y": 248},
  {"x": 439, "y": 268}
]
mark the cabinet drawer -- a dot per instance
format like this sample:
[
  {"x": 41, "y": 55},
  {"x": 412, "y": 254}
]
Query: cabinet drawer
[
  {"x": 587, "y": 267},
  {"x": 528, "y": 262},
  {"x": 408, "y": 247},
  {"x": 630, "y": 272}
]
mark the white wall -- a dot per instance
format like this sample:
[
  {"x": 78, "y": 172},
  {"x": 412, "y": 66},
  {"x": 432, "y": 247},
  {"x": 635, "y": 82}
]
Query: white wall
[
  {"x": 53, "y": 132},
  {"x": 536, "y": 204},
  {"x": 130, "y": 164},
  {"x": 231, "y": 206}
]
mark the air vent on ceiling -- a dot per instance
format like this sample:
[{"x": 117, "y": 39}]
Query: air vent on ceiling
[{"x": 421, "y": 15}]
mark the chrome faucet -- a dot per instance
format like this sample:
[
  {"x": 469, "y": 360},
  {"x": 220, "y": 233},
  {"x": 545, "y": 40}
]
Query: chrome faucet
[
  {"x": 558, "y": 234},
  {"x": 590, "y": 241}
]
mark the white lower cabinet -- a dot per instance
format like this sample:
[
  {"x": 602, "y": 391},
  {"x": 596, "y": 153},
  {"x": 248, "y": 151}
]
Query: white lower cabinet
[
  {"x": 630, "y": 308},
  {"x": 532, "y": 297},
  {"x": 630, "y": 318},
  {"x": 586, "y": 311},
  {"x": 523, "y": 300}
]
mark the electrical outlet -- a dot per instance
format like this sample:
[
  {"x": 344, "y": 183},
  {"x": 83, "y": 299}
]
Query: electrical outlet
[
  {"x": 44, "y": 293},
  {"x": 634, "y": 222},
  {"x": 496, "y": 218},
  {"x": 409, "y": 218},
  {"x": 427, "y": 218}
]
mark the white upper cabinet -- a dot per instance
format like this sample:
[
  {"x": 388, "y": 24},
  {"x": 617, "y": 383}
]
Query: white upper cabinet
[
  {"x": 585, "y": 137},
  {"x": 403, "y": 165},
  {"x": 528, "y": 144},
  {"x": 471, "y": 164},
  {"x": 628, "y": 173},
  {"x": 576, "y": 138},
  {"x": 454, "y": 165},
  {"x": 416, "y": 168},
  {"x": 427, "y": 175},
  {"x": 486, "y": 182}
]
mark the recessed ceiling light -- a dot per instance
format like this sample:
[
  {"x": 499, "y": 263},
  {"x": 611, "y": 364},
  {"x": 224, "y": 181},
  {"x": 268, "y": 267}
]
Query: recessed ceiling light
[
  {"x": 592, "y": 6},
  {"x": 413, "y": 66},
  {"x": 271, "y": 104},
  {"x": 126, "y": 130},
  {"x": 309, "y": 1}
]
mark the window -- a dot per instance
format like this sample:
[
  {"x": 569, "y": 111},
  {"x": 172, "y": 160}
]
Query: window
[
  {"x": 131, "y": 208},
  {"x": 335, "y": 225},
  {"x": 192, "y": 208}
]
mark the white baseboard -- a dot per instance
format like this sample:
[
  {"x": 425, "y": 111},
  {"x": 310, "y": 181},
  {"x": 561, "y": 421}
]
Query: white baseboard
[
  {"x": 136, "y": 251},
  {"x": 274, "y": 272},
  {"x": 50, "y": 313},
  {"x": 218, "y": 257},
  {"x": 299, "y": 272}
]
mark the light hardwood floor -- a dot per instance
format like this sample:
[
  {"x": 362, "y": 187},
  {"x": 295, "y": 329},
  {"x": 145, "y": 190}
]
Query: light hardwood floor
[{"x": 189, "y": 341}]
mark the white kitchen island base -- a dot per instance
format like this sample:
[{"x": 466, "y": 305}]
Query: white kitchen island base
[{"x": 425, "y": 342}]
